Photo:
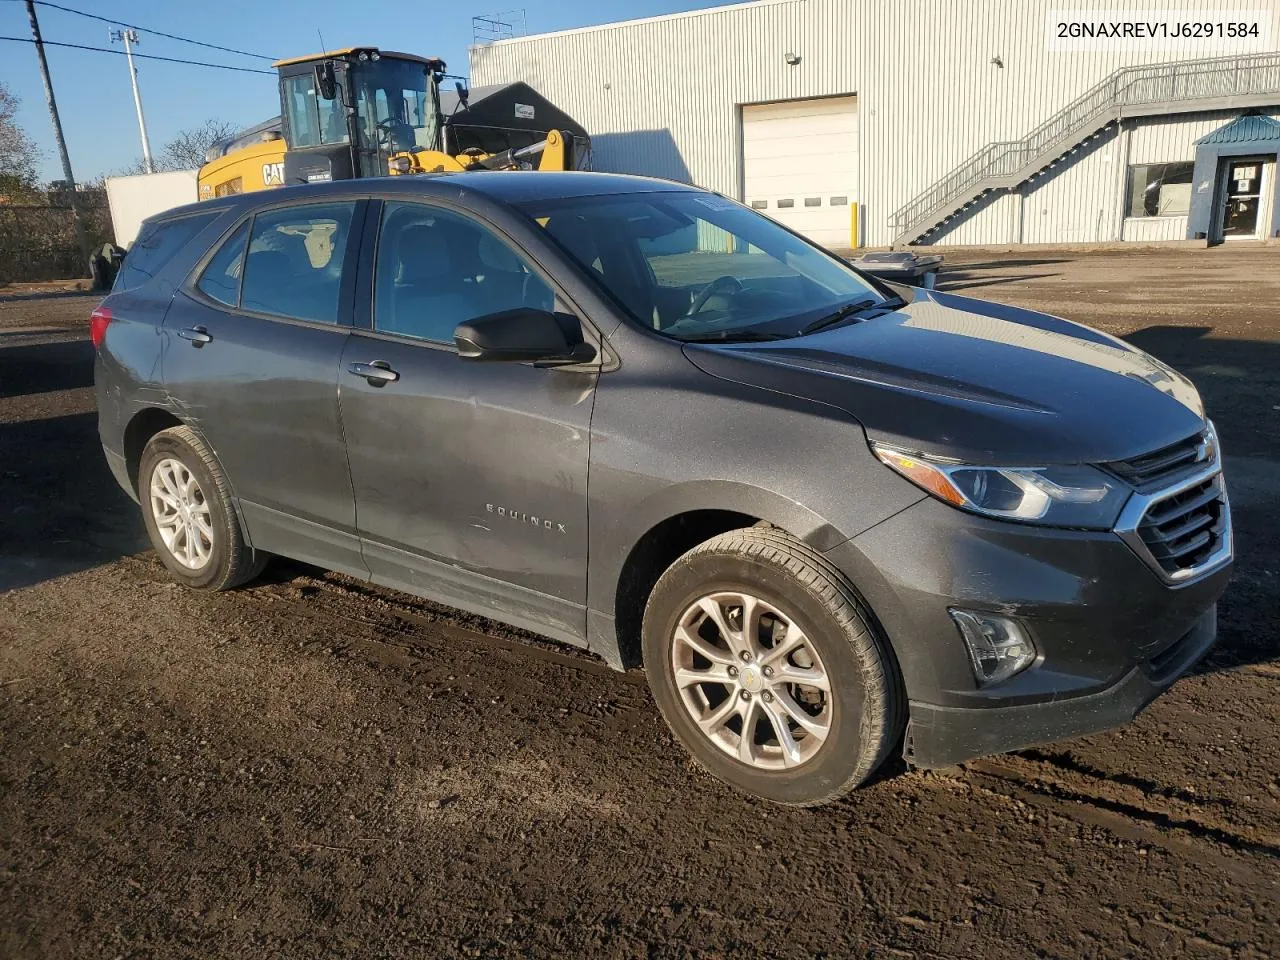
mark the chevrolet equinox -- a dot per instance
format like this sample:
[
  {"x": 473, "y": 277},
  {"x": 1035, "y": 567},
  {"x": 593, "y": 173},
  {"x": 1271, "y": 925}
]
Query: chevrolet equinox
[{"x": 830, "y": 517}]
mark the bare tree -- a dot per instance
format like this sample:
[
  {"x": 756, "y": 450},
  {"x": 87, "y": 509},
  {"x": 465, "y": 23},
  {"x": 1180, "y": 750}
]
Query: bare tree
[
  {"x": 18, "y": 153},
  {"x": 187, "y": 148},
  {"x": 185, "y": 151}
]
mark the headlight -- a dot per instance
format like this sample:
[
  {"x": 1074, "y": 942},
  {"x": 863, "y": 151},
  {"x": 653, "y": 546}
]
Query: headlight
[{"x": 1076, "y": 496}]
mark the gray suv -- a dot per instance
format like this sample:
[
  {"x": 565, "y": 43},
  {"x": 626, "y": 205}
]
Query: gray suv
[{"x": 830, "y": 517}]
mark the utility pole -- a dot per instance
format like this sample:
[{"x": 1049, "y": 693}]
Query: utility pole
[
  {"x": 82, "y": 238},
  {"x": 130, "y": 37}
]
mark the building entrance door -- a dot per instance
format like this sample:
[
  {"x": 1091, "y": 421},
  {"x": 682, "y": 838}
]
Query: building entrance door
[{"x": 1242, "y": 215}]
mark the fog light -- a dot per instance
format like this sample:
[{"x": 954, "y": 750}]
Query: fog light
[{"x": 998, "y": 647}]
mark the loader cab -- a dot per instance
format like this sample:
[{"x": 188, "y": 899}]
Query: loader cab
[{"x": 346, "y": 113}]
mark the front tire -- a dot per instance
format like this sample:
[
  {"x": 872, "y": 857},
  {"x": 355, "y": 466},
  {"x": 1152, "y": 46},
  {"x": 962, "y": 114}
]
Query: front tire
[
  {"x": 769, "y": 670},
  {"x": 187, "y": 508}
]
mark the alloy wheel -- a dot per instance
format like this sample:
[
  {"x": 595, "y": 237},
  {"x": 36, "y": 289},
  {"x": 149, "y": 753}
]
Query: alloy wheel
[
  {"x": 181, "y": 513},
  {"x": 751, "y": 680}
]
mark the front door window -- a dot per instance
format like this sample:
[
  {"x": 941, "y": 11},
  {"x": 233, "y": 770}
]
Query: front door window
[{"x": 1243, "y": 199}]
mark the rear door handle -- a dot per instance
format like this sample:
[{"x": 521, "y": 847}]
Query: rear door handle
[
  {"x": 378, "y": 373},
  {"x": 198, "y": 336}
]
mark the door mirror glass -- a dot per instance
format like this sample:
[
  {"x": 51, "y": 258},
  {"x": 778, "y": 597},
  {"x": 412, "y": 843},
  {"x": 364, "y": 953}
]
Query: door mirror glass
[
  {"x": 522, "y": 335},
  {"x": 326, "y": 84}
]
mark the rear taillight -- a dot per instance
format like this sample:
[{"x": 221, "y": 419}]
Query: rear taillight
[{"x": 99, "y": 320}]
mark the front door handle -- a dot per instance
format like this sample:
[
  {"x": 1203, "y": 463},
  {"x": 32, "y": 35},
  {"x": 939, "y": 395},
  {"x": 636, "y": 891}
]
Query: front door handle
[
  {"x": 198, "y": 336},
  {"x": 378, "y": 373}
]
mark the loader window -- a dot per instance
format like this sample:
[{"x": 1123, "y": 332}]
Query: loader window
[
  {"x": 393, "y": 105},
  {"x": 312, "y": 119}
]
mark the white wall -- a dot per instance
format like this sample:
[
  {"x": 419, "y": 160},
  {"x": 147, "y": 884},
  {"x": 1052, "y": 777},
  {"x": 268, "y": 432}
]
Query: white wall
[
  {"x": 133, "y": 199},
  {"x": 662, "y": 96}
]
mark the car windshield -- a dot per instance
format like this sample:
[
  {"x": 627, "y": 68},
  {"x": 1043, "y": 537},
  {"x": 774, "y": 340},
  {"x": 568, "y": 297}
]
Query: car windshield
[{"x": 699, "y": 267}]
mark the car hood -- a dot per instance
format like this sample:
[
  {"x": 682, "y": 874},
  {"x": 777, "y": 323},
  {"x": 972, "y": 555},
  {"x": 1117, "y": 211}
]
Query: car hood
[{"x": 978, "y": 381}]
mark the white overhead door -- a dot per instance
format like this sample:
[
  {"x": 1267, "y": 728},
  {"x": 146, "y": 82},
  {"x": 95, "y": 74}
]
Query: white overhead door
[{"x": 800, "y": 163}]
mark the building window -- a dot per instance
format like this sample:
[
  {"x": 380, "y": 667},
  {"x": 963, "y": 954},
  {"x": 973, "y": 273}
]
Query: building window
[
  {"x": 759, "y": 204},
  {"x": 786, "y": 204},
  {"x": 813, "y": 201},
  {"x": 1160, "y": 189}
]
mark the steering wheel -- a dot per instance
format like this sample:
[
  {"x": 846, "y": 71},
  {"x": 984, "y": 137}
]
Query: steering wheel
[{"x": 710, "y": 290}]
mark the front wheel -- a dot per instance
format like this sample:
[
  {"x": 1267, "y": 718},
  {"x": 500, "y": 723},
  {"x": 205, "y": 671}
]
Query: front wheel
[
  {"x": 187, "y": 509},
  {"x": 768, "y": 670}
]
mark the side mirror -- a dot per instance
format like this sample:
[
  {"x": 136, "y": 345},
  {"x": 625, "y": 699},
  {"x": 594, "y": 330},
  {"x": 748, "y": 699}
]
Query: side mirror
[
  {"x": 463, "y": 93},
  {"x": 523, "y": 335},
  {"x": 326, "y": 83}
]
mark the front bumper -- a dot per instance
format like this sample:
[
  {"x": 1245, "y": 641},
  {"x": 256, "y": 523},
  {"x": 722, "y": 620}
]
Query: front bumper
[
  {"x": 1110, "y": 634},
  {"x": 939, "y": 736}
]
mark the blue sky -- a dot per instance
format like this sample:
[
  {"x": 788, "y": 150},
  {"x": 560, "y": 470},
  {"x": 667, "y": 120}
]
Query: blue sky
[{"x": 93, "y": 88}]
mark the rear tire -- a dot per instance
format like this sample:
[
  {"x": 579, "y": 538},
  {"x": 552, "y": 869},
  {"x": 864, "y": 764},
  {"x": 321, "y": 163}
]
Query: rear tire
[
  {"x": 811, "y": 663},
  {"x": 190, "y": 518}
]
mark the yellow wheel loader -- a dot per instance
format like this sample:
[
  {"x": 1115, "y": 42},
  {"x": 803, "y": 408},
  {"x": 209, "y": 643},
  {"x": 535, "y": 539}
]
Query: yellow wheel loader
[{"x": 363, "y": 112}]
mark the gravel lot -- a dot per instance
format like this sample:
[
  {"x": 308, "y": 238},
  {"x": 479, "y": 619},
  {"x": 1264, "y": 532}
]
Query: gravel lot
[{"x": 313, "y": 767}]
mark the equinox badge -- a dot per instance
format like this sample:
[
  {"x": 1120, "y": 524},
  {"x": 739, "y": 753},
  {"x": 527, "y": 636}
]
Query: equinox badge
[{"x": 520, "y": 517}]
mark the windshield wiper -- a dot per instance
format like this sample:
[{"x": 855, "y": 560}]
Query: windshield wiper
[
  {"x": 734, "y": 336},
  {"x": 848, "y": 310}
]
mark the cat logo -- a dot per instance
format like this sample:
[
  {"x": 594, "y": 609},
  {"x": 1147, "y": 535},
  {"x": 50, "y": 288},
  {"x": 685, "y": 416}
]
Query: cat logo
[{"x": 273, "y": 174}]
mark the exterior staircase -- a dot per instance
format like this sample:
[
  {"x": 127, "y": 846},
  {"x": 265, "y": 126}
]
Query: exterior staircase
[{"x": 1185, "y": 86}]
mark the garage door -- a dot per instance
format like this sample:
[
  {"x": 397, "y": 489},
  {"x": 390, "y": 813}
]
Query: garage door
[{"x": 800, "y": 163}]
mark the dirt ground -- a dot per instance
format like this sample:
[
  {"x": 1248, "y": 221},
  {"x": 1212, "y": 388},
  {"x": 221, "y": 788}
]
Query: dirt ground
[{"x": 312, "y": 767}]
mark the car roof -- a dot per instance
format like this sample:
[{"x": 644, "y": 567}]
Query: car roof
[{"x": 504, "y": 186}]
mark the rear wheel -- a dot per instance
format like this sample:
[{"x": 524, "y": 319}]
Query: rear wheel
[
  {"x": 767, "y": 669},
  {"x": 187, "y": 509}
]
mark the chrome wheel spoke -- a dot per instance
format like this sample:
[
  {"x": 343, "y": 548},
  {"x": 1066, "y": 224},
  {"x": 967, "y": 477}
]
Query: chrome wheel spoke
[
  {"x": 202, "y": 523},
  {"x": 717, "y": 673},
  {"x": 791, "y": 641},
  {"x": 721, "y": 715},
  {"x": 715, "y": 613},
  {"x": 169, "y": 481},
  {"x": 803, "y": 676},
  {"x": 747, "y": 741},
  {"x": 708, "y": 651},
  {"x": 786, "y": 742},
  {"x": 164, "y": 496},
  {"x": 750, "y": 637},
  {"x": 806, "y": 721}
]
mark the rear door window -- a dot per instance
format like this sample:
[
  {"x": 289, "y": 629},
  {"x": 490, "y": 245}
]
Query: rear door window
[
  {"x": 156, "y": 245},
  {"x": 294, "y": 264},
  {"x": 221, "y": 278}
]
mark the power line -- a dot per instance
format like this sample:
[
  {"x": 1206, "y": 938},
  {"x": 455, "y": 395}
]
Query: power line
[
  {"x": 158, "y": 33},
  {"x": 142, "y": 56}
]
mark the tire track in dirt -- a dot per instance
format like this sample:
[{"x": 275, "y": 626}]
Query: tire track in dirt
[{"x": 402, "y": 630}]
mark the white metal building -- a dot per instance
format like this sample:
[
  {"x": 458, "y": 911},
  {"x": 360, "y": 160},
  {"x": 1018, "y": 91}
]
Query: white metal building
[{"x": 877, "y": 122}]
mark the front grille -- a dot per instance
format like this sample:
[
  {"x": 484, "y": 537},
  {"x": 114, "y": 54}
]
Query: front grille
[
  {"x": 1184, "y": 530},
  {"x": 1151, "y": 470}
]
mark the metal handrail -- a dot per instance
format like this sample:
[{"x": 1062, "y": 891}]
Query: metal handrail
[{"x": 1129, "y": 86}]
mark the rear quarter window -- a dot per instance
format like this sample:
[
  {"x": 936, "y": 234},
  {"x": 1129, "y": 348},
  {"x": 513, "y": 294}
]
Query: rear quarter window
[{"x": 157, "y": 244}]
